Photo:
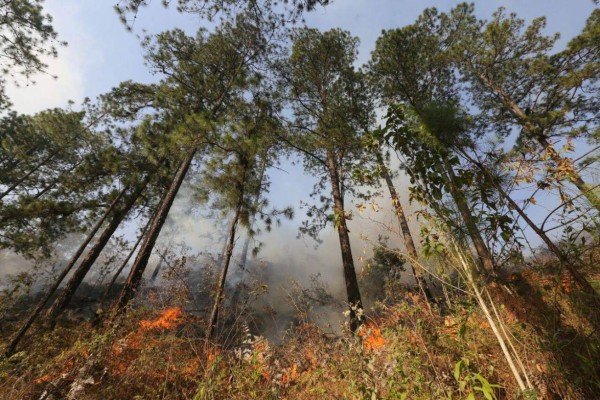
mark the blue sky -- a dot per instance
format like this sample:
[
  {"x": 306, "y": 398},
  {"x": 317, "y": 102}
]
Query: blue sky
[{"x": 101, "y": 54}]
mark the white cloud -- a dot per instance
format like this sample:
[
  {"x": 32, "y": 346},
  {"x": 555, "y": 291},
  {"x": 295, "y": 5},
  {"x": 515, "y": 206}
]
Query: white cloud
[{"x": 70, "y": 67}]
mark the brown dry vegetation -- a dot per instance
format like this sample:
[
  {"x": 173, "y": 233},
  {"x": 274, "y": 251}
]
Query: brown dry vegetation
[{"x": 403, "y": 352}]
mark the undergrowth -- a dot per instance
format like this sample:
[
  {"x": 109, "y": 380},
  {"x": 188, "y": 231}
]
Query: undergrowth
[{"x": 404, "y": 351}]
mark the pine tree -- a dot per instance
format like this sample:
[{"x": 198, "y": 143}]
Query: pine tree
[
  {"x": 27, "y": 38},
  {"x": 547, "y": 95},
  {"x": 408, "y": 66},
  {"x": 332, "y": 111},
  {"x": 53, "y": 167},
  {"x": 233, "y": 175},
  {"x": 204, "y": 76}
]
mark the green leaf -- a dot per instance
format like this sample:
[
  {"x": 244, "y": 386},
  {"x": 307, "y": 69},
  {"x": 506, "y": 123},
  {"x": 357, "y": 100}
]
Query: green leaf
[{"x": 457, "y": 368}]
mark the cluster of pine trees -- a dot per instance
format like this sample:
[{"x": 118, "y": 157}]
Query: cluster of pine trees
[{"x": 477, "y": 111}]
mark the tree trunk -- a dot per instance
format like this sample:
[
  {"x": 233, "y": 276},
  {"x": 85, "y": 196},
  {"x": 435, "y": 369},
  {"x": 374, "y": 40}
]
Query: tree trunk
[
  {"x": 86, "y": 264},
  {"x": 27, "y": 175},
  {"x": 245, "y": 250},
  {"x": 125, "y": 262},
  {"x": 463, "y": 207},
  {"x": 535, "y": 132},
  {"x": 214, "y": 315},
  {"x": 352, "y": 289},
  {"x": 586, "y": 190},
  {"x": 40, "y": 306},
  {"x": 246, "y": 247},
  {"x": 406, "y": 235},
  {"x": 141, "y": 261},
  {"x": 582, "y": 282},
  {"x": 158, "y": 267}
]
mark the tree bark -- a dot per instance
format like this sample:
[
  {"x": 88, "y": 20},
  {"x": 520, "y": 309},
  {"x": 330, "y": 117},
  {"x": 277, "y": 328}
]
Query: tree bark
[
  {"x": 214, "y": 315},
  {"x": 86, "y": 264},
  {"x": 352, "y": 289},
  {"x": 141, "y": 261},
  {"x": 463, "y": 207},
  {"x": 10, "y": 349},
  {"x": 405, "y": 230}
]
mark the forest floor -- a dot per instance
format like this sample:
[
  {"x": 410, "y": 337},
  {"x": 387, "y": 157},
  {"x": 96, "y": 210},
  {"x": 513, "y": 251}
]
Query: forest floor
[{"x": 404, "y": 351}]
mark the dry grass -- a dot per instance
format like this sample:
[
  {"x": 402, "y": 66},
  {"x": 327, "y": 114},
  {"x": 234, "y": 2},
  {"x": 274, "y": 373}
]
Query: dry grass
[{"x": 403, "y": 352}]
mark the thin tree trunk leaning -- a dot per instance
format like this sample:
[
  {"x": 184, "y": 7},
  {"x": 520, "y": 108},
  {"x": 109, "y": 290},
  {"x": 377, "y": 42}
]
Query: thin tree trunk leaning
[
  {"x": 582, "y": 282},
  {"x": 245, "y": 250},
  {"x": 246, "y": 247},
  {"x": 27, "y": 175},
  {"x": 352, "y": 289},
  {"x": 463, "y": 207},
  {"x": 158, "y": 267},
  {"x": 10, "y": 349},
  {"x": 86, "y": 264},
  {"x": 405, "y": 230},
  {"x": 536, "y": 133},
  {"x": 214, "y": 315},
  {"x": 45, "y": 160},
  {"x": 125, "y": 262},
  {"x": 141, "y": 261}
]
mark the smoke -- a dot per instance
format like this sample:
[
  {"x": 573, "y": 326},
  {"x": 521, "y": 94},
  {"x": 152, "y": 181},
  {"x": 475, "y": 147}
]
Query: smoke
[
  {"x": 297, "y": 274},
  {"x": 12, "y": 264},
  {"x": 287, "y": 267}
]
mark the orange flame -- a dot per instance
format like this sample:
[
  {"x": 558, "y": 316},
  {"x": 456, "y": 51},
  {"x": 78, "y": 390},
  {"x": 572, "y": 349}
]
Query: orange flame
[
  {"x": 372, "y": 337},
  {"x": 128, "y": 348},
  {"x": 169, "y": 319}
]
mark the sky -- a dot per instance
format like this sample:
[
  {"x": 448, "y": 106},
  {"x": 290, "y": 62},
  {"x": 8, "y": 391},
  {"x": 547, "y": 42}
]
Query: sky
[{"x": 101, "y": 53}]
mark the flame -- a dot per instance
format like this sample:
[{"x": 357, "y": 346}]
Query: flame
[
  {"x": 128, "y": 348},
  {"x": 372, "y": 337},
  {"x": 169, "y": 319}
]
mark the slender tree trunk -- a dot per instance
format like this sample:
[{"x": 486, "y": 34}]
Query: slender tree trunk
[
  {"x": 261, "y": 176},
  {"x": 158, "y": 267},
  {"x": 352, "y": 289},
  {"x": 141, "y": 261},
  {"x": 535, "y": 132},
  {"x": 27, "y": 175},
  {"x": 582, "y": 282},
  {"x": 125, "y": 262},
  {"x": 406, "y": 235},
  {"x": 463, "y": 207},
  {"x": 245, "y": 250},
  {"x": 214, "y": 315},
  {"x": 86, "y": 264},
  {"x": 41, "y": 304},
  {"x": 55, "y": 181}
]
